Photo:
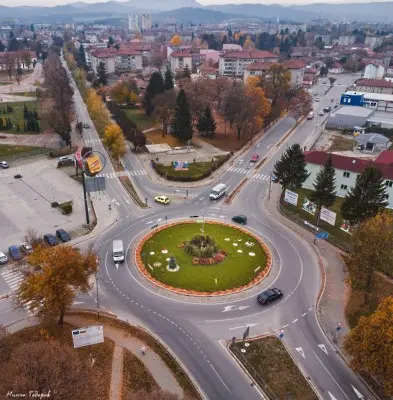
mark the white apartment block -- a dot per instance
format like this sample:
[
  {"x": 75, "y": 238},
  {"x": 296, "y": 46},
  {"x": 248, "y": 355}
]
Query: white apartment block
[
  {"x": 121, "y": 60},
  {"x": 179, "y": 60},
  {"x": 146, "y": 22},
  {"x": 374, "y": 41},
  {"x": 233, "y": 63},
  {"x": 133, "y": 22},
  {"x": 346, "y": 40},
  {"x": 136, "y": 22}
]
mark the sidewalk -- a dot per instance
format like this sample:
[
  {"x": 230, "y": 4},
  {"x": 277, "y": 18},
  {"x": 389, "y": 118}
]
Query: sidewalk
[
  {"x": 159, "y": 370},
  {"x": 332, "y": 300}
]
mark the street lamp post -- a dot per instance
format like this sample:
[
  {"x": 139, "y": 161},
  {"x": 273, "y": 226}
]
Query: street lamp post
[
  {"x": 97, "y": 297},
  {"x": 270, "y": 185},
  {"x": 85, "y": 198}
]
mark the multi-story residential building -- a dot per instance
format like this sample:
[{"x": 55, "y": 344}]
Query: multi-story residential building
[
  {"x": 383, "y": 59},
  {"x": 347, "y": 169},
  {"x": 346, "y": 40},
  {"x": 296, "y": 68},
  {"x": 231, "y": 47},
  {"x": 257, "y": 69},
  {"x": 326, "y": 39},
  {"x": 133, "y": 22},
  {"x": 5, "y": 32},
  {"x": 179, "y": 59},
  {"x": 374, "y": 86},
  {"x": 117, "y": 60},
  {"x": 336, "y": 69},
  {"x": 146, "y": 21},
  {"x": 374, "y": 41},
  {"x": 234, "y": 62},
  {"x": 374, "y": 70}
]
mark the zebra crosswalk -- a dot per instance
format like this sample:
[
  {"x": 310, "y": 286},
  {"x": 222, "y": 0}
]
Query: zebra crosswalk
[
  {"x": 112, "y": 175},
  {"x": 138, "y": 172},
  {"x": 92, "y": 141},
  {"x": 253, "y": 177}
]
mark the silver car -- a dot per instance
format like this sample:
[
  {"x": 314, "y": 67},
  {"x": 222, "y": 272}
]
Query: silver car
[{"x": 3, "y": 258}]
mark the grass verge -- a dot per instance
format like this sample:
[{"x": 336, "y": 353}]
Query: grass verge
[
  {"x": 241, "y": 265},
  {"x": 157, "y": 137},
  {"x": 340, "y": 143},
  {"x": 17, "y": 116},
  {"x": 9, "y": 152},
  {"x": 184, "y": 381},
  {"x": 270, "y": 365},
  {"x": 102, "y": 352},
  {"x": 336, "y": 236},
  {"x": 196, "y": 170},
  {"x": 135, "y": 375},
  {"x": 125, "y": 180},
  {"x": 140, "y": 118}
]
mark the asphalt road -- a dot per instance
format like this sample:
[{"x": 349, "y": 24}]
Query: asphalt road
[{"x": 194, "y": 329}]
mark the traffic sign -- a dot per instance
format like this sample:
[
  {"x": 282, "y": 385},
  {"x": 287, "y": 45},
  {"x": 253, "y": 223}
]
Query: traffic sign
[{"x": 321, "y": 235}]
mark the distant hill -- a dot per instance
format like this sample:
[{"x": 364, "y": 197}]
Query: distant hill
[{"x": 188, "y": 15}]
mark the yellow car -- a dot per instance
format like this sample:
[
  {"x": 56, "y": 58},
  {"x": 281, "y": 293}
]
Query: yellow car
[{"x": 161, "y": 199}]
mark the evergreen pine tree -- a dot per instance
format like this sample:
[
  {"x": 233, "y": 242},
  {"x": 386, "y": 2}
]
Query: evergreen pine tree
[
  {"x": 24, "y": 126},
  {"x": 82, "y": 57},
  {"x": 17, "y": 128},
  {"x": 168, "y": 81},
  {"x": 206, "y": 123},
  {"x": 324, "y": 186},
  {"x": 182, "y": 127},
  {"x": 290, "y": 170},
  {"x": 186, "y": 72},
  {"x": 101, "y": 72},
  {"x": 25, "y": 112},
  {"x": 155, "y": 86},
  {"x": 367, "y": 198},
  {"x": 37, "y": 126},
  {"x": 1, "y": 123}
]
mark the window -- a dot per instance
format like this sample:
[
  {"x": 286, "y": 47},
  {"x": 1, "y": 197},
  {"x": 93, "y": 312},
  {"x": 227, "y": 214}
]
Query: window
[
  {"x": 346, "y": 174},
  {"x": 344, "y": 187},
  {"x": 388, "y": 183}
]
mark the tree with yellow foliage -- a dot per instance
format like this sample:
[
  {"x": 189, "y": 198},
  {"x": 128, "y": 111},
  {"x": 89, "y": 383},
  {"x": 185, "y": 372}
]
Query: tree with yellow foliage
[
  {"x": 248, "y": 43},
  {"x": 176, "y": 40},
  {"x": 97, "y": 111},
  {"x": 370, "y": 344},
  {"x": 71, "y": 62},
  {"x": 114, "y": 140},
  {"x": 58, "y": 274},
  {"x": 119, "y": 93}
]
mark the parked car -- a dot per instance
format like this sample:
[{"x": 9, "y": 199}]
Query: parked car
[
  {"x": 86, "y": 125},
  {"x": 50, "y": 239},
  {"x": 240, "y": 219},
  {"x": 327, "y": 109},
  {"x": 63, "y": 235},
  {"x": 3, "y": 258},
  {"x": 254, "y": 157},
  {"x": 321, "y": 113},
  {"x": 15, "y": 253},
  {"x": 269, "y": 295},
  {"x": 317, "y": 99},
  {"x": 65, "y": 162},
  {"x": 26, "y": 248},
  {"x": 4, "y": 165},
  {"x": 162, "y": 199}
]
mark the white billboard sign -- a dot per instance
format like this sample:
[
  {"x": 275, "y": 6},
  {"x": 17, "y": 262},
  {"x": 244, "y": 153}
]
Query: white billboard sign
[
  {"x": 328, "y": 216},
  {"x": 291, "y": 197},
  {"x": 87, "y": 336}
]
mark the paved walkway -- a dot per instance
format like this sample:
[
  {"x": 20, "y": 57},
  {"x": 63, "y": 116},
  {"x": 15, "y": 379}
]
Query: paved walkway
[
  {"x": 159, "y": 370},
  {"x": 117, "y": 373},
  {"x": 51, "y": 140},
  {"x": 331, "y": 307}
]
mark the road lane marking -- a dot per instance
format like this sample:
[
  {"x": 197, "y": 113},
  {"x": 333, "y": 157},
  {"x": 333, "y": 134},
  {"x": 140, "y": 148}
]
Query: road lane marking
[
  {"x": 323, "y": 348},
  {"x": 323, "y": 365},
  {"x": 331, "y": 396},
  {"x": 295, "y": 320},
  {"x": 234, "y": 308},
  {"x": 243, "y": 326},
  {"x": 360, "y": 396},
  {"x": 300, "y": 351},
  {"x": 304, "y": 314}
]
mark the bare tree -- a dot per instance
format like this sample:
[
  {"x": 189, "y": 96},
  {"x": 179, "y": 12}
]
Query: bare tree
[
  {"x": 26, "y": 59},
  {"x": 10, "y": 62},
  {"x": 164, "y": 106}
]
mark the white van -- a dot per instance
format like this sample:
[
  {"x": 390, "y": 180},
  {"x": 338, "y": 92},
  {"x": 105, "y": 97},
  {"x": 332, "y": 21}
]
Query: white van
[
  {"x": 118, "y": 251},
  {"x": 218, "y": 191}
]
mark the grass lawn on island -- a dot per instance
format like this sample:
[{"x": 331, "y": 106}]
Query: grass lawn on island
[
  {"x": 140, "y": 118},
  {"x": 336, "y": 234},
  {"x": 156, "y": 137},
  {"x": 274, "y": 365},
  {"x": 236, "y": 270},
  {"x": 17, "y": 116},
  {"x": 10, "y": 151},
  {"x": 196, "y": 171}
]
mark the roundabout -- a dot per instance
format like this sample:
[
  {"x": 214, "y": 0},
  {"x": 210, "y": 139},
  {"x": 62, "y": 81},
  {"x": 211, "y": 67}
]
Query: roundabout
[{"x": 208, "y": 258}]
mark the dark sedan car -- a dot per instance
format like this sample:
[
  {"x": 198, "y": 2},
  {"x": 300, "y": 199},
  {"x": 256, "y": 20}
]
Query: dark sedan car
[
  {"x": 269, "y": 295},
  {"x": 50, "y": 239},
  {"x": 15, "y": 253},
  {"x": 240, "y": 219},
  {"x": 63, "y": 235}
]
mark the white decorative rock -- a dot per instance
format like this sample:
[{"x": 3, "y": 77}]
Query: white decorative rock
[
  {"x": 240, "y": 251},
  {"x": 251, "y": 254},
  {"x": 152, "y": 253}
]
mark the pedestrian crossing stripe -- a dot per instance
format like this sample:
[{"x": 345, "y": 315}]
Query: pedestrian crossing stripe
[{"x": 13, "y": 279}]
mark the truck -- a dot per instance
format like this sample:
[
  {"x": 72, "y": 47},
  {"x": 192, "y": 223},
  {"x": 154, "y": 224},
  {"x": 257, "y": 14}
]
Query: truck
[
  {"x": 118, "y": 251},
  {"x": 218, "y": 191}
]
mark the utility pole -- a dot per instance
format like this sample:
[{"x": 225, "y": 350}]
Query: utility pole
[
  {"x": 270, "y": 184},
  {"x": 85, "y": 198}
]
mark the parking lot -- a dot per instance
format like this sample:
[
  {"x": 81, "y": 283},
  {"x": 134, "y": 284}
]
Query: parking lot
[{"x": 26, "y": 203}]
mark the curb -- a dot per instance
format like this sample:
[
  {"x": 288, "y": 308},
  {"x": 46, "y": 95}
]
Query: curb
[
  {"x": 158, "y": 339},
  {"x": 187, "y": 292},
  {"x": 228, "y": 200},
  {"x": 320, "y": 294}
]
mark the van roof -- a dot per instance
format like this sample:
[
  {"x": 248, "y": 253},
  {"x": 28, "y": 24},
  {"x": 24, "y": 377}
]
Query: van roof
[{"x": 219, "y": 187}]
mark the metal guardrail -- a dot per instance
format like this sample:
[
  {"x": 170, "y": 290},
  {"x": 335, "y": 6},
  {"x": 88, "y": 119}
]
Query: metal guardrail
[{"x": 253, "y": 372}]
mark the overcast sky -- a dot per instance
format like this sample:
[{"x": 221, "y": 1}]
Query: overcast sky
[{"x": 13, "y": 3}]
